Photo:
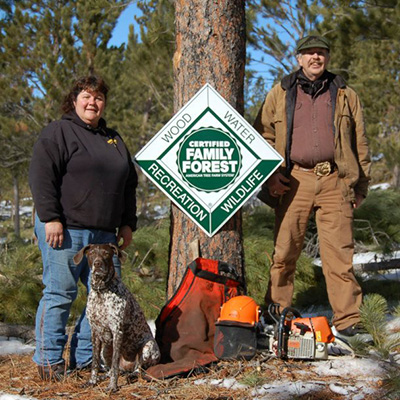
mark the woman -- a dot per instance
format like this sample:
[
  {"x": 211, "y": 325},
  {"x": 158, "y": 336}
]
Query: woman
[{"x": 83, "y": 183}]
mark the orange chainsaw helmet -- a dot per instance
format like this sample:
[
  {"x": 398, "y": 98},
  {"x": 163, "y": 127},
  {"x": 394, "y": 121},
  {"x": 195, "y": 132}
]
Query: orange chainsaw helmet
[{"x": 241, "y": 309}]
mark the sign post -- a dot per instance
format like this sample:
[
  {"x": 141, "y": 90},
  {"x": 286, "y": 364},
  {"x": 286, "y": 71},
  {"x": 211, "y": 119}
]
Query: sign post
[{"x": 208, "y": 160}]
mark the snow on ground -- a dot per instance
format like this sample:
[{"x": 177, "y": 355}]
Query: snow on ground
[
  {"x": 360, "y": 368},
  {"x": 380, "y": 186},
  {"x": 5, "y": 396},
  {"x": 364, "y": 371},
  {"x": 370, "y": 257},
  {"x": 14, "y": 346},
  {"x": 365, "y": 258}
]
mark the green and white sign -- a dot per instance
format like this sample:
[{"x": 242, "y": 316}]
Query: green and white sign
[{"x": 208, "y": 160}]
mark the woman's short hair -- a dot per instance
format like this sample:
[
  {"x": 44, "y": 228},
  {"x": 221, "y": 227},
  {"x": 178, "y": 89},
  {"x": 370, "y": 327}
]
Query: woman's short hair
[{"x": 91, "y": 83}]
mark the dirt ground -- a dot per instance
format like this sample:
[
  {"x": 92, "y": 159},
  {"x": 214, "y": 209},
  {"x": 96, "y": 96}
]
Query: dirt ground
[{"x": 18, "y": 376}]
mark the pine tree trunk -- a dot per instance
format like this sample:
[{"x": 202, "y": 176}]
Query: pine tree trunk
[
  {"x": 16, "y": 207},
  {"x": 396, "y": 177},
  {"x": 210, "y": 48}
]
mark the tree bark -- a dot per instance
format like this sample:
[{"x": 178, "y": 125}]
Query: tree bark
[
  {"x": 378, "y": 266},
  {"x": 17, "y": 230},
  {"x": 210, "y": 48},
  {"x": 396, "y": 177}
]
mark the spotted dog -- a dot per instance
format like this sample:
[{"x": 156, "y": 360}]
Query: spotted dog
[{"x": 120, "y": 333}]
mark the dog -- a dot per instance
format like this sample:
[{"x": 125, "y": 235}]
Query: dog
[{"x": 120, "y": 333}]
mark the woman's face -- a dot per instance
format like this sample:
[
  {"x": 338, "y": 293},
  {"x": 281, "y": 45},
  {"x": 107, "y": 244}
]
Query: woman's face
[{"x": 90, "y": 106}]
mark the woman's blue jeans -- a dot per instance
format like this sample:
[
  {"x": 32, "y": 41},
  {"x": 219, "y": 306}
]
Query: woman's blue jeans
[{"x": 60, "y": 277}]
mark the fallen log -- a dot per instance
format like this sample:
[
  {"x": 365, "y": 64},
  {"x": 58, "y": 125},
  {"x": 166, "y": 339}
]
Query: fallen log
[
  {"x": 378, "y": 266},
  {"x": 27, "y": 333}
]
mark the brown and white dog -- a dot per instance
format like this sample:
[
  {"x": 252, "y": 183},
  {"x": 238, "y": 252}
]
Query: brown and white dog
[{"x": 120, "y": 333}]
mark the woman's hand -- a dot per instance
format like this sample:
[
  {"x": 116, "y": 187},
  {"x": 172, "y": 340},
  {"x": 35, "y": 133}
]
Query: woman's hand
[
  {"x": 124, "y": 233},
  {"x": 54, "y": 233}
]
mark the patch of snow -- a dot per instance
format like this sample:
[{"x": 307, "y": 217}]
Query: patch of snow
[
  {"x": 232, "y": 383},
  {"x": 161, "y": 211},
  {"x": 229, "y": 383},
  {"x": 381, "y": 186},
  {"x": 284, "y": 390},
  {"x": 6, "y": 210},
  {"x": 14, "y": 346},
  {"x": 367, "y": 257},
  {"x": 359, "y": 396},
  {"x": 393, "y": 325},
  {"x": 26, "y": 210},
  {"x": 370, "y": 256},
  {"x": 357, "y": 368},
  {"x": 338, "y": 389},
  {"x": 6, "y": 396},
  {"x": 388, "y": 275}
]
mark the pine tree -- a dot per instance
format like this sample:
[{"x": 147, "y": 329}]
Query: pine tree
[
  {"x": 144, "y": 88},
  {"x": 277, "y": 27},
  {"x": 15, "y": 112},
  {"x": 45, "y": 45},
  {"x": 141, "y": 101},
  {"x": 366, "y": 51},
  {"x": 210, "y": 47}
]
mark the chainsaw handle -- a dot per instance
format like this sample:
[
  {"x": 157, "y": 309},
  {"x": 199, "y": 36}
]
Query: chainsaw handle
[
  {"x": 281, "y": 326},
  {"x": 273, "y": 311}
]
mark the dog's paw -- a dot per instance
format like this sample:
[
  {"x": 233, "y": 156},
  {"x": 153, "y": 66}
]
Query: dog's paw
[
  {"x": 112, "y": 388},
  {"x": 132, "y": 377},
  {"x": 90, "y": 383}
]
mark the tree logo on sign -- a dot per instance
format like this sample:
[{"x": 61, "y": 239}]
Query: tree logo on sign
[{"x": 209, "y": 159}]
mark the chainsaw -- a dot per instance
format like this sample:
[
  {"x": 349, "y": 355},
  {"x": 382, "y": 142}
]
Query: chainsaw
[
  {"x": 242, "y": 331},
  {"x": 294, "y": 336}
]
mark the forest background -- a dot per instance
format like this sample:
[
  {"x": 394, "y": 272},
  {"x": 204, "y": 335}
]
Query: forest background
[{"x": 46, "y": 44}]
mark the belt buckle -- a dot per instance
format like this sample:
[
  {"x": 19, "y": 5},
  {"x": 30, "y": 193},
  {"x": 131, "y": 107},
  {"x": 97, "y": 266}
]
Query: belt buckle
[{"x": 323, "y": 168}]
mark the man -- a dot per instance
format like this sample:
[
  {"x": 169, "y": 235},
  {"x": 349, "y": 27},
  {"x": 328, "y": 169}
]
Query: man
[{"x": 314, "y": 120}]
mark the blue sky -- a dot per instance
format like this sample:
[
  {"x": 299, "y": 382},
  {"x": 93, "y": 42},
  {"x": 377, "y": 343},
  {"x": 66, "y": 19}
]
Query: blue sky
[
  {"x": 127, "y": 18},
  {"x": 121, "y": 31}
]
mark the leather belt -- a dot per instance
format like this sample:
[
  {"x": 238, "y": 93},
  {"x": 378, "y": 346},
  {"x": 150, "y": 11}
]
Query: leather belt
[{"x": 324, "y": 168}]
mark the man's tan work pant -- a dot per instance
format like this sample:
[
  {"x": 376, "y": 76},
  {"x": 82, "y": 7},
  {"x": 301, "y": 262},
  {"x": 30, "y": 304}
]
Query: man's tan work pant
[{"x": 334, "y": 219}]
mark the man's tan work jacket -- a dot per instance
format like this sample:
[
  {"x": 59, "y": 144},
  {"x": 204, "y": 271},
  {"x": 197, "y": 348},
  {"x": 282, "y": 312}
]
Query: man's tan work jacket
[{"x": 275, "y": 120}]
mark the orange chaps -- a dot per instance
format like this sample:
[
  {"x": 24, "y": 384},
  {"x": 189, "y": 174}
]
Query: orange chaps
[{"x": 185, "y": 327}]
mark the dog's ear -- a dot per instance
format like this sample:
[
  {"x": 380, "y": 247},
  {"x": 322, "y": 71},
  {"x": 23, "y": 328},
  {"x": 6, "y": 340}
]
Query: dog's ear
[
  {"x": 79, "y": 255},
  {"x": 120, "y": 254}
]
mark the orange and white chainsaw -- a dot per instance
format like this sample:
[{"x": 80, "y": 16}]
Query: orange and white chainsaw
[
  {"x": 294, "y": 336},
  {"x": 241, "y": 332}
]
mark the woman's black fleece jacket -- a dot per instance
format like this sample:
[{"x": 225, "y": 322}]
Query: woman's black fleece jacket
[{"x": 84, "y": 176}]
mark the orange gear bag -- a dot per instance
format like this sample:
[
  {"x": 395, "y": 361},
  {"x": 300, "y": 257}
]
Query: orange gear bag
[{"x": 185, "y": 327}]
